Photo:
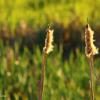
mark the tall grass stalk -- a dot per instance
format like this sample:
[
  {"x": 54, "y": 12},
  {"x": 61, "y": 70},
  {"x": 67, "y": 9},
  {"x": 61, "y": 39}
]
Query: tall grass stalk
[
  {"x": 46, "y": 50},
  {"x": 91, "y": 77},
  {"x": 42, "y": 76},
  {"x": 90, "y": 50}
]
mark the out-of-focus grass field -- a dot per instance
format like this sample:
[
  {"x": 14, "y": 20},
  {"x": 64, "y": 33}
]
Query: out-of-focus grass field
[
  {"x": 68, "y": 80},
  {"x": 22, "y": 25}
]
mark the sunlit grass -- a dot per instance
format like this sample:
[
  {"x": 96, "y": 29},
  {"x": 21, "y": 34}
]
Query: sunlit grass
[{"x": 67, "y": 79}]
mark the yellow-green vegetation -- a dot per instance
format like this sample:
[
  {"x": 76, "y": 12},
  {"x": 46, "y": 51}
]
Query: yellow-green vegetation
[
  {"x": 21, "y": 56},
  {"x": 20, "y": 74},
  {"x": 38, "y": 13}
]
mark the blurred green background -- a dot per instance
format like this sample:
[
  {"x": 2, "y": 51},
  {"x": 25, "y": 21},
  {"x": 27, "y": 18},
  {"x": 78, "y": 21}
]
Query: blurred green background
[{"x": 23, "y": 26}]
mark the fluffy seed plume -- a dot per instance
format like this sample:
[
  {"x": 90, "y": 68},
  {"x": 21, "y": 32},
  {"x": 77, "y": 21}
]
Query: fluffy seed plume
[
  {"x": 90, "y": 48},
  {"x": 48, "y": 42}
]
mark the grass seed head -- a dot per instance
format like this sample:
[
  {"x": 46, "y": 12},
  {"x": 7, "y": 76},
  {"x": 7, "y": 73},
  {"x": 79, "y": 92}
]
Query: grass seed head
[
  {"x": 90, "y": 48},
  {"x": 48, "y": 42}
]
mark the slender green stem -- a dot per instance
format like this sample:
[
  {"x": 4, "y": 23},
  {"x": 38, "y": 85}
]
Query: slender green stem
[
  {"x": 42, "y": 76},
  {"x": 91, "y": 77}
]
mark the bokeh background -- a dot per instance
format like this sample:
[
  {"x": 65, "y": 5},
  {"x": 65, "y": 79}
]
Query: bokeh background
[{"x": 23, "y": 25}]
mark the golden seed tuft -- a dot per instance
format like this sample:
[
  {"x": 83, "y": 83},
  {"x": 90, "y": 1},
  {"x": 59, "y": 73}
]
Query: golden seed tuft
[
  {"x": 48, "y": 42},
  {"x": 90, "y": 48}
]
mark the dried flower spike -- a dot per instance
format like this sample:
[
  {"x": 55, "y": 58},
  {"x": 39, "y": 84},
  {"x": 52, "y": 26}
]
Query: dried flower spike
[
  {"x": 90, "y": 48},
  {"x": 46, "y": 50},
  {"x": 48, "y": 42}
]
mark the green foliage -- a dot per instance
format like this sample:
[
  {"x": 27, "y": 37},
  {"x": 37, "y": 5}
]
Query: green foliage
[
  {"x": 19, "y": 75},
  {"x": 40, "y": 13},
  {"x": 20, "y": 70}
]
